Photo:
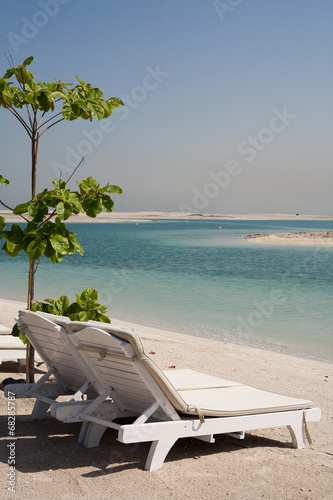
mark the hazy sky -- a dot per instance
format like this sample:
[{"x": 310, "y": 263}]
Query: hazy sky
[{"x": 228, "y": 103}]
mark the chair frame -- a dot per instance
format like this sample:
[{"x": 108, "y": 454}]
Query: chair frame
[{"x": 128, "y": 384}]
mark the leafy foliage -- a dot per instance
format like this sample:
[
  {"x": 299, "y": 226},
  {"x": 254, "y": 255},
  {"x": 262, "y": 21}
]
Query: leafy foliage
[
  {"x": 53, "y": 239},
  {"x": 44, "y": 105},
  {"x": 82, "y": 100},
  {"x": 85, "y": 308}
]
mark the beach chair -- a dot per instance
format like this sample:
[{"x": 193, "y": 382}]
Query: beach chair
[
  {"x": 50, "y": 341},
  {"x": 11, "y": 348},
  {"x": 168, "y": 405}
]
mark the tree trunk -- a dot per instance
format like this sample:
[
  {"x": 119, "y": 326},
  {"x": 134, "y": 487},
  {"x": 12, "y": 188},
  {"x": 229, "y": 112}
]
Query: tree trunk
[{"x": 30, "y": 361}]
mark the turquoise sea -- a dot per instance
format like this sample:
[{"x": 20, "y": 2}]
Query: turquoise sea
[{"x": 192, "y": 277}]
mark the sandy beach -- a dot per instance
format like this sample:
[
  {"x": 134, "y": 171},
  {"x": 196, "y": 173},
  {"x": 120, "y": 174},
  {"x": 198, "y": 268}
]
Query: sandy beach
[
  {"x": 304, "y": 238},
  {"x": 148, "y": 216},
  {"x": 264, "y": 465}
]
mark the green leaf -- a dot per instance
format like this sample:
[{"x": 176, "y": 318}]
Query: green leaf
[
  {"x": 80, "y": 81},
  {"x": 64, "y": 210},
  {"x": 59, "y": 243},
  {"x": 16, "y": 331},
  {"x": 92, "y": 206},
  {"x": 115, "y": 101},
  {"x": 8, "y": 252},
  {"x": 58, "y": 95},
  {"x": 4, "y": 248},
  {"x": 88, "y": 184},
  {"x": 9, "y": 73},
  {"x": 74, "y": 199},
  {"x": 61, "y": 305},
  {"x": 49, "y": 251},
  {"x": 36, "y": 248},
  {"x": 103, "y": 318},
  {"x": 107, "y": 203},
  {"x": 74, "y": 245},
  {"x": 3, "y": 181},
  {"x": 31, "y": 228},
  {"x": 22, "y": 208},
  {"x": 37, "y": 211},
  {"x": 88, "y": 297},
  {"x": 57, "y": 257},
  {"x": 97, "y": 111},
  {"x": 51, "y": 303},
  {"x": 24, "y": 76},
  {"x": 58, "y": 184},
  {"x": 15, "y": 244},
  {"x": 70, "y": 111},
  {"x": 28, "y": 61},
  {"x": 17, "y": 230},
  {"x": 2, "y": 223},
  {"x": 37, "y": 306},
  {"x": 30, "y": 98},
  {"x": 74, "y": 308},
  {"x": 19, "y": 99},
  {"x": 24, "y": 339},
  {"x": 100, "y": 308},
  {"x": 83, "y": 316},
  {"x": 113, "y": 189},
  {"x": 44, "y": 103}
]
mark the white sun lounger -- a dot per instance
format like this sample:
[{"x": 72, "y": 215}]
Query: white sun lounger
[
  {"x": 164, "y": 406},
  {"x": 12, "y": 347},
  {"x": 173, "y": 404},
  {"x": 50, "y": 342}
]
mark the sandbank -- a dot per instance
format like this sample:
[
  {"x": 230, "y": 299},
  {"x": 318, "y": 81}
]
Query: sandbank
[
  {"x": 303, "y": 238},
  {"x": 149, "y": 216},
  {"x": 50, "y": 462}
]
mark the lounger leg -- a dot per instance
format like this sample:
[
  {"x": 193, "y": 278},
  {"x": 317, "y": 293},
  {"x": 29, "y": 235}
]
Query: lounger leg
[
  {"x": 92, "y": 434},
  {"x": 83, "y": 431},
  {"x": 158, "y": 452},
  {"x": 297, "y": 433},
  {"x": 39, "y": 411}
]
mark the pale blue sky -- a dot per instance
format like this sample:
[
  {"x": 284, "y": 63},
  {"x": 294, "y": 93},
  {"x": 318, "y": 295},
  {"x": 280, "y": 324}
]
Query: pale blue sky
[{"x": 229, "y": 103}]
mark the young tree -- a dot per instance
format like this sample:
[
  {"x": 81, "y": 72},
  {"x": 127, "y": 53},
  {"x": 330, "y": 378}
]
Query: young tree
[{"x": 38, "y": 107}]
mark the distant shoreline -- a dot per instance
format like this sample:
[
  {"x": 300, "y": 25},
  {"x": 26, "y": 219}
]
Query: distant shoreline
[
  {"x": 313, "y": 238},
  {"x": 149, "y": 216}
]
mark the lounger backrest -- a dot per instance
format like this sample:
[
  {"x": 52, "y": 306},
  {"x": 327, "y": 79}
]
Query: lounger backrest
[
  {"x": 130, "y": 338},
  {"x": 118, "y": 360},
  {"x": 49, "y": 340}
]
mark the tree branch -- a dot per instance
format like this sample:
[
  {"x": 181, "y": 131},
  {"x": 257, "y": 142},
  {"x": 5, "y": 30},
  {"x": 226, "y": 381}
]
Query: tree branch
[
  {"x": 75, "y": 169},
  {"x": 51, "y": 125},
  {"x": 40, "y": 119},
  {"x": 29, "y": 116},
  {"x": 6, "y": 206},
  {"x": 17, "y": 116},
  {"x": 53, "y": 117},
  {"x": 49, "y": 217}
]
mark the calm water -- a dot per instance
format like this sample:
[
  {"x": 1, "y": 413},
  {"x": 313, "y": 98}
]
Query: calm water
[{"x": 192, "y": 277}]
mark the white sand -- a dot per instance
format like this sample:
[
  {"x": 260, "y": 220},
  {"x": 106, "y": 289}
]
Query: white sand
[
  {"x": 50, "y": 462},
  {"x": 146, "y": 216},
  {"x": 306, "y": 238}
]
